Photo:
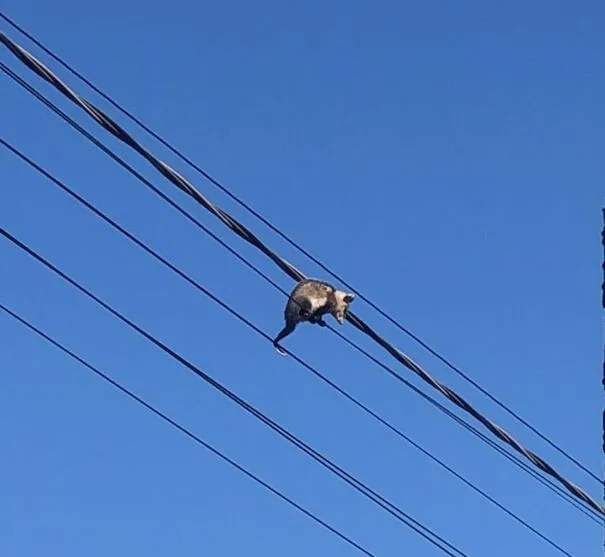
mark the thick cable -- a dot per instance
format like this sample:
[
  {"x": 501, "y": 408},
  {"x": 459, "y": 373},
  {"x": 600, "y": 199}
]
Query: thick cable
[
  {"x": 186, "y": 431},
  {"x": 138, "y": 242},
  {"x": 359, "y": 486},
  {"x": 591, "y": 513},
  {"x": 547, "y": 483},
  {"x": 114, "y": 128},
  {"x": 515, "y": 460},
  {"x": 143, "y": 180},
  {"x": 300, "y": 249}
]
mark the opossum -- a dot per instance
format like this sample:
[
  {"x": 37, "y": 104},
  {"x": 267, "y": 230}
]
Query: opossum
[{"x": 310, "y": 300}]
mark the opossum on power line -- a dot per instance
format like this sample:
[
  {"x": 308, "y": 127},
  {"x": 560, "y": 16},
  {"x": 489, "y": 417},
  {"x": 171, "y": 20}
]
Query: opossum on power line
[{"x": 310, "y": 300}]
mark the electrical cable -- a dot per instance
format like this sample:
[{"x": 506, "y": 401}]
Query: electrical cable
[
  {"x": 137, "y": 242},
  {"x": 186, "y": 431},
  {"x": 247, "y": 235},
  {"x": 547, "y": 483},
  {"x": 192, "y": 219},
  {"x": 299, "y": 248},
  {"x": 359, "y": 486}
]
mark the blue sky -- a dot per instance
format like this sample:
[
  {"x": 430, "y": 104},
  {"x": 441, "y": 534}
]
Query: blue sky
[{"x": 445, "y": 158}]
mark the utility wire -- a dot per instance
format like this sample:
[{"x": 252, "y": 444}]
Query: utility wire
[
  {"x": 186, "y": 431},
  {"x": 515, "y": 460},
  {"x": 359, "y": 486},
  {"x": 114, "y": 128},
  {"x": 298, "y": 247},
  {"x": 548, "y": 483},
  {"x": 131, "y": 237}
]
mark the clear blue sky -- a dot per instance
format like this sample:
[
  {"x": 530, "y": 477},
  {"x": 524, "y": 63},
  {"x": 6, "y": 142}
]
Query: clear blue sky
[{"x": 445, "y": 157}]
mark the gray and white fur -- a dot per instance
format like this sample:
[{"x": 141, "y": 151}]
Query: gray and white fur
[{"x": 310, "y": 300}]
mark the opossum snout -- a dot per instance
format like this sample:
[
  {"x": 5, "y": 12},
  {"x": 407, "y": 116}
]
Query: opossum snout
[{"x": 342, "y": 305}]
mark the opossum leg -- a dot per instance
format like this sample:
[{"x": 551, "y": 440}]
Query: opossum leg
[
  {"x": 305, "y": 308},
  {"x": 283, "y": 334},
  {"x": 316, "y": 319}
]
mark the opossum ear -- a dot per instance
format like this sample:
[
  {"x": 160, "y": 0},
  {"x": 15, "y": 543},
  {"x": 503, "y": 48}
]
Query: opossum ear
[{"x": 349, "y": 298}]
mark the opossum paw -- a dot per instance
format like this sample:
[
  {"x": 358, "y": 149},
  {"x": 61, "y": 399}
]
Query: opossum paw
[{"x": 317, "y": 320}]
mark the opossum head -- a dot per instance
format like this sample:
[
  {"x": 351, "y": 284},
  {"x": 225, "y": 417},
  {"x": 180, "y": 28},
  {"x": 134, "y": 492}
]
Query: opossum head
[{"x": 341, "y": 305}]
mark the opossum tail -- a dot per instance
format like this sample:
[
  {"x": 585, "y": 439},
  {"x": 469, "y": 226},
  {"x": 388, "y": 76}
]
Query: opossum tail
[{"x": 282, "y": 334}]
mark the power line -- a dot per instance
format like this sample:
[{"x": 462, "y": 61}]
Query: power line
[
  {"x": 131, "y": 237},
  {"x": 438, "y": 405},
  {"x": 184, "y": 430},
  {"x": 550, "y": 485},
  {"x": 299, "y": 248},
  {"x": 359, "y": 486},
  {"x": 515, "y": 460},
  {"x": 247, "y": 235}
]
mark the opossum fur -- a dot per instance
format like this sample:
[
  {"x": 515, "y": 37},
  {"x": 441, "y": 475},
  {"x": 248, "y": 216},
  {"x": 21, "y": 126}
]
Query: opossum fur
[{"x": 310, "y": 300}]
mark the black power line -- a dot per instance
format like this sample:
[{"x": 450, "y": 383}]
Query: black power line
[
  {"x": 298, "y": 247},
  {"x": 109, "y": 221},
  {"x": 391, "y": 508},
  {"x": 287, "y": 267},
  {"x": 513, "y": 458},
  {"x": 186, "y": 431}
]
